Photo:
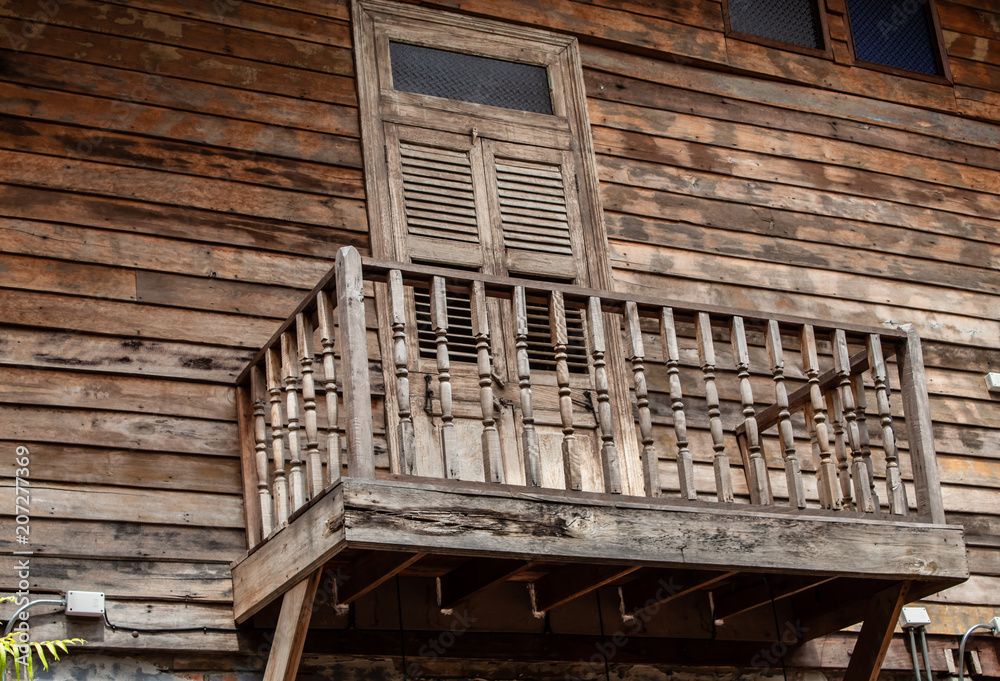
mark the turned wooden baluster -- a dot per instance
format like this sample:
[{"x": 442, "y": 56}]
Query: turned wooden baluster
[
  {"x": 895, "y": 491},
  {"x": 529, "y": 436},
  {"x": 809, "y": 415},
  {"x": 260, "y": 451},
  {"x": 835, "y": 412},
  {"x": 492, "y": 456},
  {"x": 671, "y": 353},
  {"x": 793, "y": 469},
  {"x": 829, "y": 493},
  {"x": 706, "y": 354},
  {"x": 304, "y": 329},
  {"x": 598, "y": 348},
  {"x": 439, "y": 317},
  {"x": 272, "y": 363},
  {"x": 407, "y": 454},
  {"x": 290, "y": 374},
  {"x": 864, "y": 440},
  {"x": 859, "y": 473},
  {"x": 650, "y": 459},
  {"x": 760, "y": 490},
  {"x": 572, "y": 465},
  {"x": 326, "y": 338}
]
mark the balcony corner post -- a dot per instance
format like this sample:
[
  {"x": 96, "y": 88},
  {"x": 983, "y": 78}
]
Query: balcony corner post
[
  {"x": 916, "y": 409},
  {"x": 354, "y": 355}
]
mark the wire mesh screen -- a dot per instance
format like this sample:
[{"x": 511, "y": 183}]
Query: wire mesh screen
[
  {"x": 470, "y": 78},
  {"x": 894, "y": 33},
  {"x": 788, "y": 21}
]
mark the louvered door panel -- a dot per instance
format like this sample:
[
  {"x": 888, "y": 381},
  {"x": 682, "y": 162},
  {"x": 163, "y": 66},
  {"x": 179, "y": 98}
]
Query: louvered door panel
[
  {"x": 435, "y": 180},
  {"x": 534, "y": 210}
]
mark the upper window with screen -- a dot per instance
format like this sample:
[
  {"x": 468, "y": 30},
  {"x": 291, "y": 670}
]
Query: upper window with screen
[
  {"x": 470, "y": 78},
  {"x": 896, "y": 34},
  {"x": 795, "y": 22}
]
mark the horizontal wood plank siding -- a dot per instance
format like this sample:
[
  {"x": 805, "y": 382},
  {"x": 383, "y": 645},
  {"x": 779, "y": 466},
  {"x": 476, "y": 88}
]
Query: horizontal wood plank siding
[
  {"x": 173, "y": 181},
  {"x": 174, "y": 177}
]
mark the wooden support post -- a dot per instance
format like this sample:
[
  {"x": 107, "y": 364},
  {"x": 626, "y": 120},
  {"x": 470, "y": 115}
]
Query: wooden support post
[
  {"x": 864, "y": 439},
  {"x": 290, "y": 633},
  {"x": 265, "y": 502},
  {"x": 407, "y": 446},
  {"x": 916, "y": 407},
  {"x": 598, "y": 348},
  {"x": 565, "y": 584},
  {"x": 246, "y": 415},
  {"x": 354, "y": 351},
  {"x": 662, "y": 586},
  {"x": 760, "y": 488},
  {"x": 859, "y": 469},
  {"x": 829, "y": 493},
  {"x": 876, "y": 633},
  {"x": 314, "y": 464},
  {"x": 793, "y": 468},
  {"x": 637, "y": 355},
  {"x": 290, "y": 377},
  {"x": 371, "y": 571},
  {"x": 474, "y": 576},
  {"x": 894, "y": 489},
  {"x": 572, "y": 464},
  {"x": 671, "y": 354},
  {"x": 324, "y": 311},
  {"x": 273, "y": 371},
  {"x": 439, "y": 323},
  {"x": 529, "y": 436},
  {"x": 706, "y": 353},
  {"x": 492, "y": 456}
]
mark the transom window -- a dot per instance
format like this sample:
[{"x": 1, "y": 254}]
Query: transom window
[
  {"x": 896, "y": 34},
  {"x": 797, "y": 22}
]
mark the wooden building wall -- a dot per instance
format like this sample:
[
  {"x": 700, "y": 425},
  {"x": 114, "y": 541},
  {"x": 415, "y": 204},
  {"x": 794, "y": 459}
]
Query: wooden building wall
[{"x": 173, "y": 176}]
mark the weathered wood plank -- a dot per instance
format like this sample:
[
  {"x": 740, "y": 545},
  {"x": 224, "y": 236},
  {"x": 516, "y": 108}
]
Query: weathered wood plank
[
  {"x": 123, "y": 539},
  {"x": 130, "y": 504},
  {"x": 385, "y": 513},
  {"x": 46, "y": 387},
  {"x": 341, "y": 153},
  {"x": 855, "y": 106},
  {"x": 94, "y": 354},
  {"x": 205, "y": 582},
  {"x": 156, "y": 186},
  {"x": 148, "y": 432}
]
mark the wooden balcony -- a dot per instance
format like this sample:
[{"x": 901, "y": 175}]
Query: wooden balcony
[{"x": 496, "y": 434}]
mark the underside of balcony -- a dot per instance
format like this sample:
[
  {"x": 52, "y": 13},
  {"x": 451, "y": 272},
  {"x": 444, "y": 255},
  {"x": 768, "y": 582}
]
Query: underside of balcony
[{"x": 822, "y": 570}]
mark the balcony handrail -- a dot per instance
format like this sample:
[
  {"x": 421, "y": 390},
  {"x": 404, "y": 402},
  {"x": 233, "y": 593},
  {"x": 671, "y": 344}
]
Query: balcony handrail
[{"x": 833, "y": 401}]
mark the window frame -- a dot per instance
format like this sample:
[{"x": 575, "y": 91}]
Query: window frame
[
  {"x": 825, "y": 53},
  {"x": 376, "y": 22},
  {"x": 937, "y": 36}
]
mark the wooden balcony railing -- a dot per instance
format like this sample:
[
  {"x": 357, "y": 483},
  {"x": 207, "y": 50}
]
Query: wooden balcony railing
[{"x": 817, "y": 394}]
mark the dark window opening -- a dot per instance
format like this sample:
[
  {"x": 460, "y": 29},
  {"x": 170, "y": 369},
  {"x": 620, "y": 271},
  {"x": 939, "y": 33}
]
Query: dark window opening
[
  {"x": 894, "y": 33},
  {"x": 470, "y": 78},
  {"x": 787, "y": 21},
  {"x": 462, "y": 340}
]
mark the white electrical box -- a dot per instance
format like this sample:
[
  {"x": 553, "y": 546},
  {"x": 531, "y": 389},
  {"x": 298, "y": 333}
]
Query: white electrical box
[
  {"x": 911, "y": 618},
  {"x": 993, "y": 382},
  {"x": 85, "y": 603}
]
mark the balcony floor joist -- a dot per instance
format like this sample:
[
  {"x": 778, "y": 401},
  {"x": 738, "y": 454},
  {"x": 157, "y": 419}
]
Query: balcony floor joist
[{"x": 475, "y": 520}]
